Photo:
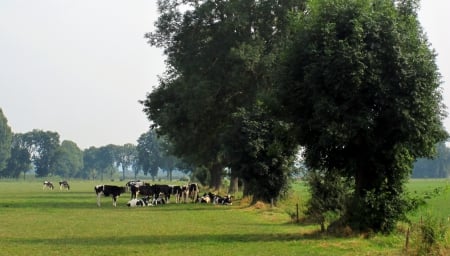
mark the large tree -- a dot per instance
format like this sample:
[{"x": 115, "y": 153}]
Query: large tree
[
  {"x": 5, "y": 140},
  {"x": 361, "y": 87},
  {"x": 219, "y": 56}
]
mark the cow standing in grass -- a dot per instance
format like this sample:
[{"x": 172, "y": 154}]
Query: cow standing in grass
[
  {"x": 48, "y": 184},
  {"x": 193, "y": 191},
  {"x": 64, "y": 185},
  {"x": 108, "y": 190}
]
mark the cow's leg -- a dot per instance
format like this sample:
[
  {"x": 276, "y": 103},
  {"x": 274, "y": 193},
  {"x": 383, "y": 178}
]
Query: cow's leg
[
  {"x": 98, "y": 199},
  {"x": 114, "y": 198}
]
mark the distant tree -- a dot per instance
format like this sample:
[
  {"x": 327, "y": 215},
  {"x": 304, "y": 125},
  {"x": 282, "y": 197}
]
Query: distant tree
[
  {"x": 105, "y": 160},
  {"x": 42, "y": 146},
  {"x": 361, "y": 87},
  {"x": 436, "y": 167},
  {"x": 125, "y": 156},
  {"x": 5, "y": 140},
  {"x": 20, "y": 160},
  {"x": 90, "y": 167},
  {"x": 99, "y": 161},
  {"x": 149, "y": 153},
  {"x": 68, "y": 160}
]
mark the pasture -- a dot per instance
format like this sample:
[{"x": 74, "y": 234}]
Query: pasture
[{"x": 37, "y": 222}]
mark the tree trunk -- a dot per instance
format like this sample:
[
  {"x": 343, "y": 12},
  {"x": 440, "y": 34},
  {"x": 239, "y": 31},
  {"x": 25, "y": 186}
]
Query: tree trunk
[
  {"x": 216, "y": 176},
  {"x": 234, "y": 185}
]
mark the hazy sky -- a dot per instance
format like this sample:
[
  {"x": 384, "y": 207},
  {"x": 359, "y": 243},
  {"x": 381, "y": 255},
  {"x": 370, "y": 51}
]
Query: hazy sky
[{"x": 79, "y": 67}]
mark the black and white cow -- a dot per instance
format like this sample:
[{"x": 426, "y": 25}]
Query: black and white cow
[
  {"x": 48, "y": 184},
  {"x": 177, "y": 191},
  {"x": 193, "y": 191},
  {"x": 108, "y": 190},
  {"x": 226, "y": 200},
  {"x": 139, "y": 202},
  {"x": 64, "y": 184},
  {"x": 162, "y": 191},
  {"x": 206, "y": 198},
  {"x": 184, "y": 193}
]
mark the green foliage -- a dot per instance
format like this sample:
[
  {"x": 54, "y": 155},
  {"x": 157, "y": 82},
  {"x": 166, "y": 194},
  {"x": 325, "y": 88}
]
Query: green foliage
[
  {"x": 261, "y": 152},
  {"x": 42, "y": 146},
  {"x": 428, "y": 236},
  {"x": 5, "y": 141},
  {"x": 20, "y": 160},
  {"x": 149, "y": 153},
  {"x": 220, "y": 60},
  {"x": 361, "y": 87},
  {"x": 329, "y": 196},
  {"x": 68, "y": 160}
]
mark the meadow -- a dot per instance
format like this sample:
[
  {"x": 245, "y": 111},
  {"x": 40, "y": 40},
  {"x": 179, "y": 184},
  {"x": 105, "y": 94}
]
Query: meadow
[{"x": 43, "y": 222}]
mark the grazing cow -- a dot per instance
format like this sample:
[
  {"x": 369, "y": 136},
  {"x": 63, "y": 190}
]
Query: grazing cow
[
  {"x": 139, "y": 202},
  {"x": 193, "y": 191},
  {"x": 107, "y": 190},
  {"x": 48, "y": 184},
  {"x": 64, "y": 184}
]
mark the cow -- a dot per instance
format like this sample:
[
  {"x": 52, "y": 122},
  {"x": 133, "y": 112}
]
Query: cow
[
  {"x": 159, "y": 199},
  {"x": 193, "y": 191},
  {"x": 133, "y": 187},
  {"x": 108, "y": 190},
  {"x": 177, "y": 191},
  {"x": 64, "y": 184},
  {"x": 184, "y": 193},
  {"x": 226, "y": 200},
  {"x": 206, "y": 198},
  {"x": 144, "y": 190},
  {"x": 139, "y": 202},
  {"x": 48, "y": 184},
  {"x": 163, "y": 191}
]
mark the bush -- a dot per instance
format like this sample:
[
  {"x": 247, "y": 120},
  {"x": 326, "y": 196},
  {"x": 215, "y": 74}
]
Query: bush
[
  {"x": 329, "y": 194},
  {"x": 429, "y": 236}
]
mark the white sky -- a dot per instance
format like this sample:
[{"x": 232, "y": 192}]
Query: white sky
[{"x": 79, "y": 67}]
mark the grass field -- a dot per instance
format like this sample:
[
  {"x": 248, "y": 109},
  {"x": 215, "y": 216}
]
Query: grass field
[{"x": 36, "y": 222}]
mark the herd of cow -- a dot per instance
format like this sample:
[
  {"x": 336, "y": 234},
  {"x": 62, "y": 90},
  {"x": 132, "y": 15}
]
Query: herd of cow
[
  {"x": 62, "y": 185},
  {"x": 151, "y": 195}
]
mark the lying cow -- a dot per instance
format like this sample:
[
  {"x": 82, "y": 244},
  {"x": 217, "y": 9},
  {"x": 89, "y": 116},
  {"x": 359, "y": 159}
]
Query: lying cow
[
  {"x": 139, "y": 202},
  {"x": 108, "y": 190},
  {"x": 48, "y": 184},
  {"x": 226, "y": 200}
]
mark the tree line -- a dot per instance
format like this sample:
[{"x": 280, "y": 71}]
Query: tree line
[
  {"x": 349, "y": 86},
  {"x": 42, "y": 152}
]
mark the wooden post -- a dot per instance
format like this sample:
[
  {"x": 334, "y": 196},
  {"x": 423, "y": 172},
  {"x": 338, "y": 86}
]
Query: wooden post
[
  {"x": 296, "y": 205},
  {"x": 407, "y": 240}
]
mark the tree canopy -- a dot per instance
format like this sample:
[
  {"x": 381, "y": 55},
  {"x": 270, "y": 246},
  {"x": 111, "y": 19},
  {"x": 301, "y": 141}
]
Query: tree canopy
[
  {"x": 220, "y": 56},
  {"x": 361, "y": 87},
  {"x": 5, "y": 140}
]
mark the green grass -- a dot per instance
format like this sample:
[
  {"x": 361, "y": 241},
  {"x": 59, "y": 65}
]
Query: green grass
[{"x": 36, "y": 222}]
